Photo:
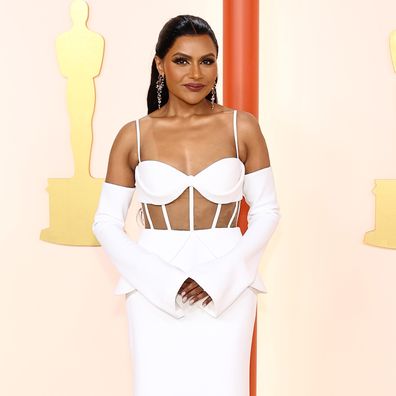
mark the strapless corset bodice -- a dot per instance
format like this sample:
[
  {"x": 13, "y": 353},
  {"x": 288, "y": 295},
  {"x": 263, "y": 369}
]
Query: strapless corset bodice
[{"x": 160, "y": 183}]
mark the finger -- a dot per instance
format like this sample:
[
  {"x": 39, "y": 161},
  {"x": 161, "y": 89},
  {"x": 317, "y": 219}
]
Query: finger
[
  {"x": 187, "y": 282},
  {"x": 192, "y": 293},
  {"x": 198, "y": 297},
  {"x": 192, "y": 285},
  {"x": 201, "y": 295},
  {"x": 206, "y": 301},
  {"x": 189, "y": 288}
]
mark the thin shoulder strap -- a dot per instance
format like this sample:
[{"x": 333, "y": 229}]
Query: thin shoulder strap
[
  {"x": 138, "y": 138},
  {"x": 236, "y": 133}
]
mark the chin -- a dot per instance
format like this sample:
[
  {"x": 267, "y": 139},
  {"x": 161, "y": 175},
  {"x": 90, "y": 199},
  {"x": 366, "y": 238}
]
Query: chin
[{"x": 194, "y": 102}]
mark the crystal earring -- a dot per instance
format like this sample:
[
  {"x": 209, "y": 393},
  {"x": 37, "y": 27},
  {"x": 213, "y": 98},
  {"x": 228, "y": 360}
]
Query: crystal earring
[
  {"x": 213, "y": 95},
  {"x": 159, "y": 85}
]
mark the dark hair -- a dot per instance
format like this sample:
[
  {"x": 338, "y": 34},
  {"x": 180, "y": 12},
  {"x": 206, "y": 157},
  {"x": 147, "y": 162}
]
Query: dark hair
[{"x": 180, "y": 25}]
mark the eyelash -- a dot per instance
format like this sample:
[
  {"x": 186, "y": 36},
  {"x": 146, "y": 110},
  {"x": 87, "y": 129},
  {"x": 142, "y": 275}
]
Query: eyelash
[{"x": 176, "y": 60}]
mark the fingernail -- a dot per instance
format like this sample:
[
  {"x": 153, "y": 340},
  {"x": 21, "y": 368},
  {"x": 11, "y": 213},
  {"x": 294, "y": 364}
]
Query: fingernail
[
  {"x": 184, "y": 299},
  {"x": 192, "y": 301},
  {"x": 183, "y": 293}
]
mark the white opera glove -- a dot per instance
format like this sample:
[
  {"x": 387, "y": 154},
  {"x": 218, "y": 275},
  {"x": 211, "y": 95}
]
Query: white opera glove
[
  {"x": 143, "y": 270},
  {"x": 226, "y": 277}
]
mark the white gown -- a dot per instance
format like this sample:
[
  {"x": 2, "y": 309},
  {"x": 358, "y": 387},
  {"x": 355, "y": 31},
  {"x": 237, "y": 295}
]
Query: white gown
[{"x": 180, "y": 349}]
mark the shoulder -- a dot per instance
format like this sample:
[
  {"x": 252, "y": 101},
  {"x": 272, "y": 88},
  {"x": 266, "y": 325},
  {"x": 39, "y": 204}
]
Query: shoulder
[
  {"x": 249, "y": 131},
  {"x": 125, "y": 142},
  {"x": 247, "y": 123},
  {"x": 253, "y": 147},
  {"x": 126, "y": 132}
]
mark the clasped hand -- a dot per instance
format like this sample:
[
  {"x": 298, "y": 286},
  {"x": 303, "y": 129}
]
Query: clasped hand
[{"x": 193, "y": 291}]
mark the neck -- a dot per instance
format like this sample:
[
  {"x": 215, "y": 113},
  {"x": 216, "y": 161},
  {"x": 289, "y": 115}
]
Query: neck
[{"x": 178, "y": 108}]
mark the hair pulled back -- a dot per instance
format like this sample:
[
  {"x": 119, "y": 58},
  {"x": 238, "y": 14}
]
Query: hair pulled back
[{"x": 178, "y": 26}]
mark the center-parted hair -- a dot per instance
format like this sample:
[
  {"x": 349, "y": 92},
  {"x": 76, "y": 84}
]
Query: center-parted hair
[{"x": 178, "y": 26}]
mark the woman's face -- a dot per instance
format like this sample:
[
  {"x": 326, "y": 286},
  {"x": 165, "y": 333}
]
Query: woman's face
[{"x": 191, "y": 59}]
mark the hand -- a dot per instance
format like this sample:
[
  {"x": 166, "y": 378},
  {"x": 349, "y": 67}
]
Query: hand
[{"x": 191, "y": 289}]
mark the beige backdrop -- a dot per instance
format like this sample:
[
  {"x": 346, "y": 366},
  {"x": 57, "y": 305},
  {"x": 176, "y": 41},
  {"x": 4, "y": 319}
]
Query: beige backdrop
[{"x": 328, "y": 112}]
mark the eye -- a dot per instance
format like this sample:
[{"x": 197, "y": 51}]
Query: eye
[
  {"x": 208, "y": 60},
  {"x": 179, "y": 60}
]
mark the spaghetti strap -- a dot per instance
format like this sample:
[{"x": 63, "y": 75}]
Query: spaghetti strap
[
  {"x": 236, "y": 133},
  {"x": 138, "y": 138}
]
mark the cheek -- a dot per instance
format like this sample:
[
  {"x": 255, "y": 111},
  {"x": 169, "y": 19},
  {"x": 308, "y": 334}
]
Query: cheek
[
  {"x": 212, "y": 73},
  {"x": 175, "y": 74}
]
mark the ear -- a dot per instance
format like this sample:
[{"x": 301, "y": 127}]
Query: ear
[{"x": 158, "y": 62}]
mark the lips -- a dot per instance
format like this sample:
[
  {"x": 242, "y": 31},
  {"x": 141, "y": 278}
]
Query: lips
[{"x": 194, "y": 85}]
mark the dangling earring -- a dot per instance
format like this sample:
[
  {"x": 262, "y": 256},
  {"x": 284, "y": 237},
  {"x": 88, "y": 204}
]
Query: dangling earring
[
  {"x": 213, "y": 95},
  {"x": 159, "y": 85}
]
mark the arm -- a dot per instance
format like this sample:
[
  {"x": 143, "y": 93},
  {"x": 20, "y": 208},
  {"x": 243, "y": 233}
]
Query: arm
[
  {"x": 226, "y": 277},
  {"x": 145, "y": 271}
]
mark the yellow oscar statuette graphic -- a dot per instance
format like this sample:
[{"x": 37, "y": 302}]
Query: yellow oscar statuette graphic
[
  {"x": 72, "y": 202},
  {"x": 384, "y": 234}
]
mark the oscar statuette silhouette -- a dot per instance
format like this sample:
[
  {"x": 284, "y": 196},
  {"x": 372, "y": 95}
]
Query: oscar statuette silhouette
[
  {"x": 73, "y": 201},
  {"x": 384, "y": 233}
]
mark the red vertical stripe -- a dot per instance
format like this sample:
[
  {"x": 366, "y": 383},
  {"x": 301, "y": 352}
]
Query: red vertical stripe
[{"x": 241, "y": 80}]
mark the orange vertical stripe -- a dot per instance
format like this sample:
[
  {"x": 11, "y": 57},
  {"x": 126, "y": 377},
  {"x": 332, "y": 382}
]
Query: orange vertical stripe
[{"x": 241, "y": 87}]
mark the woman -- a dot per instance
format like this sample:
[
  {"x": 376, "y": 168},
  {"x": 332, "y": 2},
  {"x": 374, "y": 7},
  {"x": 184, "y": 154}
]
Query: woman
[{"x": 191, "y": 279}]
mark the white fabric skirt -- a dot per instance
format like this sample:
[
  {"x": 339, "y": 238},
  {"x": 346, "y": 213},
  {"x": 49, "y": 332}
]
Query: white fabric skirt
[{"x": 197, "y": 354}]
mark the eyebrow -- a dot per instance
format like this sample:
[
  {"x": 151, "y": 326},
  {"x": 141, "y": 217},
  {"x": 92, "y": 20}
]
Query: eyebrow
[{"x": 189, "y": 57}]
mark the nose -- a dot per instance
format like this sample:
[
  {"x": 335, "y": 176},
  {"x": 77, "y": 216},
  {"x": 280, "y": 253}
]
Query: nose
[{"x": 195, "y": 70}]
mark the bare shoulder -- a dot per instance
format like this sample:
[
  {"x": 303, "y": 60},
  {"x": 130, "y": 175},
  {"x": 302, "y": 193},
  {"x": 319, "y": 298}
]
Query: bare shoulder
[
  {"x": 125, "y": 142},
  {"x": 253, "y": 147},
  {"x": 248, "y": 127},
  {"x": 123, "y": 156}
]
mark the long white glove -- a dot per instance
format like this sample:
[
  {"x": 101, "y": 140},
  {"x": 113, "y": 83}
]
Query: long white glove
[
  {"x": 226, "y": 277},
  {"x": 143, "y": 270}
]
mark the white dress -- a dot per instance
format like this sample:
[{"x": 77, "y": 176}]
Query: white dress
[{"x": 179, "y": 349}]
